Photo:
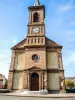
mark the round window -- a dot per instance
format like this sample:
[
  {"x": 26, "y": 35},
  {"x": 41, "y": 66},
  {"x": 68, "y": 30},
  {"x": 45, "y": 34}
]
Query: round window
[{"x": 35, "y": 57}]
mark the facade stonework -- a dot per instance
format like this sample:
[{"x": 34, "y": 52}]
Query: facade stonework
[
  {"x": 2, "y": 81},
  {"x": 36, "y": 62}
]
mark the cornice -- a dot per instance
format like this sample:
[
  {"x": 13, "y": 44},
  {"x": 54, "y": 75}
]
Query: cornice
[
  {"x": 36, "y": 7},
  {"x": 52, "y": 70},
  {"x": 61, "y": 70},
  {"x": 36, "y": 24},
  {"x": 35, "y": 70}
]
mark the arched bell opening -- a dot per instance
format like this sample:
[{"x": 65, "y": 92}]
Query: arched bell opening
[{"x": 35, "y": 17}]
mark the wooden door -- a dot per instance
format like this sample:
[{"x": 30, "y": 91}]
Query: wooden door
[{"x": 34, "y": 82}]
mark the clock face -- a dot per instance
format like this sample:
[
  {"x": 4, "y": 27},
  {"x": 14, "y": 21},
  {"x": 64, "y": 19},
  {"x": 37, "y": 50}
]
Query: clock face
[{"x": 36, "y": 30}]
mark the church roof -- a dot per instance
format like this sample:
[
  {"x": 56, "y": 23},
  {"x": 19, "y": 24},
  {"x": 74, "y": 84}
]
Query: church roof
[
  {"x": 49, "y": 43},
  {"x": 20, "y": 44}
]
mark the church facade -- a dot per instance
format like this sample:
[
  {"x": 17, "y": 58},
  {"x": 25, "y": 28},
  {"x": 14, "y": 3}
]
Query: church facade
[{"x": 36, "y": 62}]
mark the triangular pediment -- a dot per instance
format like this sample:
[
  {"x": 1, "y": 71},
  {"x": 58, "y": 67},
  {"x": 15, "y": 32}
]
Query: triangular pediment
[
  {"x": 51, "y": 43},
  {"x": 34, "y": 68},
  {"x": 20, "y": 44}
]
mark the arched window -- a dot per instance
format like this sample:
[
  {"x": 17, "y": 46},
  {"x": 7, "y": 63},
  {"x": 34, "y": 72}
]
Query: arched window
[{"x": 35, "y": 17}]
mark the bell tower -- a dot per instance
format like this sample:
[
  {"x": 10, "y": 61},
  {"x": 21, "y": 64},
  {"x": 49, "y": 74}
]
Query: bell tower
[{"x": 36, "y": 26}]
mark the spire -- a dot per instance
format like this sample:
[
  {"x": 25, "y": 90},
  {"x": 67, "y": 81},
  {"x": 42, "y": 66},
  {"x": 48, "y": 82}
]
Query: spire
[{"x": 37, "y": 3}]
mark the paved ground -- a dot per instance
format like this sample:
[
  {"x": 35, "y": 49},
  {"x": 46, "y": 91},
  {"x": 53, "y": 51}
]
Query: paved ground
[
  {"x": 31, "y": 98},
  {"x": 45, "y": 97}
]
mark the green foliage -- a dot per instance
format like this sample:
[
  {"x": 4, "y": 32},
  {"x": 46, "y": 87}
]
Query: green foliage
[
  {"x": 69, "y": 84},
  {"x": 6, "y": 83}
]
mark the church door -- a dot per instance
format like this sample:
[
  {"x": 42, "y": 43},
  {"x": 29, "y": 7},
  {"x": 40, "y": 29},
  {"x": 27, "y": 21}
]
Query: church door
[{"x": 34, "y": 82}]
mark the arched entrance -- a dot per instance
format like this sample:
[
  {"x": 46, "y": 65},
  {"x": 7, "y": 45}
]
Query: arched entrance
[{"x": 34, "y": 82}]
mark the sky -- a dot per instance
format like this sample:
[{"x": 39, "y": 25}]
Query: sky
[{"x": 60, "y": 27}]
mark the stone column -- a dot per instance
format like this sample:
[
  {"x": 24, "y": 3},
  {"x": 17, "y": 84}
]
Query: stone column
[
  {"x": 45, "y": 80},
  {"x": 61, "y": 73},
  {"x": 28, "y": 80},
  {"x": 40, "y": 81},
  {"x": 10, "y": 80},
  {"x": 10, "y": 77},
  {"x": 12, "y": 60},
  {"x": 25, "y": 81},
  {"x": 60, "y": 59}
]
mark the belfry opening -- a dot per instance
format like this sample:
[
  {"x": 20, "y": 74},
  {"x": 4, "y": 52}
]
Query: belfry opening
[{"x": 35, "y": 17}]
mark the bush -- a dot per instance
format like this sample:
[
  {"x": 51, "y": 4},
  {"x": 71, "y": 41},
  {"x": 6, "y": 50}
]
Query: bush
[
  {"x": 69, "y": 84},
  {"x": 70, "y": 90},
  {"x": 6, "y": 83}
]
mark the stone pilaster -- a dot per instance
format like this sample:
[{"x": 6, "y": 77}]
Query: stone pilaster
[
  {"x": 10, "y": 80},
  {"x": 10, "y": 77},
  {"x": 28, "y": 80},
  {"x": 40, "y": 81},
  {"x": 61, "y": 71},
  {"x": 12, "y": 60},
  {"x": 45, "y": 80},
  {"x": 25, "y": 81}
]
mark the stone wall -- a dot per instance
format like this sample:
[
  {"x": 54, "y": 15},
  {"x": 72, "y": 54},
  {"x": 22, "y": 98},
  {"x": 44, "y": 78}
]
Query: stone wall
[
  {"x": 52, "y": 60},
  {"x": 41, "y": 63},
  {"x": 53, "y": 81}
]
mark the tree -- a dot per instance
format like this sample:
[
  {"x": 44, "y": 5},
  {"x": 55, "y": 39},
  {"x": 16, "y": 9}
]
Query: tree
[
  {"x": 69, "y": 84},
  {"x": 6, "y": 83}
]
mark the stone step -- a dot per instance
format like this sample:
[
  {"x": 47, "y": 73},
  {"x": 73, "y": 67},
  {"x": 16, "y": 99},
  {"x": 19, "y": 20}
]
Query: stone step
[{"x": 41, "y": 92}]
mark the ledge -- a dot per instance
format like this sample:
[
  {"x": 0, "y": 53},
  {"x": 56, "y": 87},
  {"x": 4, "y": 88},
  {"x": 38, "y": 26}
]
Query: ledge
[{"x": 41, "y": 96}]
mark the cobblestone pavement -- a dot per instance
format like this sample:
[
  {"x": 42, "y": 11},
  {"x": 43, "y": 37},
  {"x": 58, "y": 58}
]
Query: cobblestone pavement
[{"x": 9, "y": 97}]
